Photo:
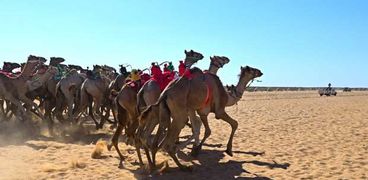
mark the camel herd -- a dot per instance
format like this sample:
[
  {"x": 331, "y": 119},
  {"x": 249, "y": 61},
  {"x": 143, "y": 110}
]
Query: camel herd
[{"x": 151, "y": 117}]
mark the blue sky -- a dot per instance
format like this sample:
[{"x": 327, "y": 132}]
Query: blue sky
[{"x": 293, "y": 42}]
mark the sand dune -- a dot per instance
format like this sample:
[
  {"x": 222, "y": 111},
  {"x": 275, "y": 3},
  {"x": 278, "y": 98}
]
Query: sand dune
[{"x": 281, "y": 135}]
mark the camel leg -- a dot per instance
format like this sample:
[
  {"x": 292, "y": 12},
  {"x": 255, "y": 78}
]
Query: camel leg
[
  {"x": 115, "y": 141},
  {"x": 234, "y": 125},
  {"x": 90, "y": 112},
  {"x": 177, "y": 124},
  {"x": 8, "y": 108},
  {"x": 82, "y": 105},
  {"x": 177, "y": 162},
  {"x": 2, "y": 102},
  {"x": 17, "y": 104},
  {"x": 207, "y": 133},
  {"x": 139, "y": 155},
  {"x": 70, "y": 100},
  {"x": 50, "y": 122},
  {"x": 196, "y": 129},
  {"x": 29, "y": 103},
  {"x": 150, "y": 163}
]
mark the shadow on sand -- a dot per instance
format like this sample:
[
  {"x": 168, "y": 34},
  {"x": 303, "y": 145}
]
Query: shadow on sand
[{"x": 210, "y": 165}]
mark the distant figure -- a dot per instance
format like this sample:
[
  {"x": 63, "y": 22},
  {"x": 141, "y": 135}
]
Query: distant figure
[
  {"x": 135, "y": 77},
  {"x": 166, "y": 69},
  {"x": 171, "y": 67},
  {"x": 181, "y": 68},
  {"x": 329, "y": 86},
  {"x": 156, "y": 71}
]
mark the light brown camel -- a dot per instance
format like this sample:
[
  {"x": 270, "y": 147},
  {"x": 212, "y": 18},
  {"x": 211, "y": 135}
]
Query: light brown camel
[
  {"x": 203, "y": 94},
  {"x": 15, "y": 89},
  {"x": 94, "y": 91},
  {"x": 126, "y": 102},
  {"x": 68, "y": 87}
]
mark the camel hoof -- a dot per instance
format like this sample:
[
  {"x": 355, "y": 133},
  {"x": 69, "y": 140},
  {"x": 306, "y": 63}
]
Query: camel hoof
[
  {"x": 121, "y": 166},
  {"x": 109, "y": 146},
  {"x": 187, "y": 168},
  {"x": 195, "y": 151},
  {"x": 229, "y": 152}
]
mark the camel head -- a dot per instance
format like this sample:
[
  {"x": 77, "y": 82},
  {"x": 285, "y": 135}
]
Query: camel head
[
  {"x": 219, "y": 61},
  {"x": 9, "y": 66},
  {"x": 249, "y": 73},
  {"x": 97, "y": 67},
  {"x": 56, "y": 60},
  {"x": 108, "y": 68},
  {"x": 191, "y": 57},
  {"x": 76, "y": 67},
  {"x": 36, "y": 58},
  {"x": 29, "y": 67}
]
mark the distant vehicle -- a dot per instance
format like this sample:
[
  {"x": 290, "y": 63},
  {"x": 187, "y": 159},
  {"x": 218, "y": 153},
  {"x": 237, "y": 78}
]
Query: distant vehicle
[
  {"x": 327, "y": 91},
  {"x": 346, "y": 89}
]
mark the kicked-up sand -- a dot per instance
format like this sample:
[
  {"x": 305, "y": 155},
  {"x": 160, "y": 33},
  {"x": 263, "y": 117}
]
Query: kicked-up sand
[{"x": 281, "y": 135}]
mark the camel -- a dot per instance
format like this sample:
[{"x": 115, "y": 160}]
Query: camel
[
  {"x": 203, "y": 94},
  {"x": 152, "y": 93},
  {"x": 15, "y": 89},
  {"x": 119, "y": 81},
  {"x": 66, "y": 91},
  {"x": 7, "y": 69},
  {"x": 95, "y": 91},
  {"x": 126, "y": 102}
]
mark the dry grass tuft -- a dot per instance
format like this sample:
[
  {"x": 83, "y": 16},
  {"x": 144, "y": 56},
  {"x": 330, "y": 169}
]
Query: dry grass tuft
[
  {"x": 100, "y": 147},
  {"x": 77, "y": 163}
]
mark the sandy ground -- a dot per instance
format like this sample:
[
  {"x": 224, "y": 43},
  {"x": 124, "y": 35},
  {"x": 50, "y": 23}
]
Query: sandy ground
[{"x": 281, "y": 135}]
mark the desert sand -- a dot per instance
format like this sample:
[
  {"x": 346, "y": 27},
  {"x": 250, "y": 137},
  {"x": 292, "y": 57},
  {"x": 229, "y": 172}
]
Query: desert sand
[{"x": 281, "y": 135}]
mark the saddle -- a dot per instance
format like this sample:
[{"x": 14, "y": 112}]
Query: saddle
[
  {"x": 8, "y": 74},
  {"x": 164, "y": 79}
]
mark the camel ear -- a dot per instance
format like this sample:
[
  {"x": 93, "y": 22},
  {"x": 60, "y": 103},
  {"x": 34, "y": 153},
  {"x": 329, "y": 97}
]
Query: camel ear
[
  {"x": 185, "y": 51},
  {"x": 241, "y": 67},
  {"x": 211, "y": 58}
]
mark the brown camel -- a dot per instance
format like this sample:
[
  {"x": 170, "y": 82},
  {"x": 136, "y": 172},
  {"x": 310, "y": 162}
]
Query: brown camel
[
  {"x": 15, "y": 89},
  {"x": 94, "y": 91},
  {"x": 203, "y": 94},
  {"x": 68, "y": 87},
  {"x": 152, "y": 94},
  {"x": 126, "y": 102},
  {"x": 150, "y": 91}
]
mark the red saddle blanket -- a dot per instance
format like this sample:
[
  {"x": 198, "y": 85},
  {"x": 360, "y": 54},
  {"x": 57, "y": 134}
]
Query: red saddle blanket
[
  {"x": 164, "y": 79},
  {"x": 9, "y": 74}
]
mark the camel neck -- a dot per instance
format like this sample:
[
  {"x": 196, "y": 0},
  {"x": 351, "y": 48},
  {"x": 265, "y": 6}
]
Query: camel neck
[
  {"x": 236, "y": 94},
  {"x": 213, "y": 68},
  {"x": 47, "y": 75},
  {"x": 27, "y": 70},
  {"x": 240, "y": 87},
  {"x": 192, "y": 60}
]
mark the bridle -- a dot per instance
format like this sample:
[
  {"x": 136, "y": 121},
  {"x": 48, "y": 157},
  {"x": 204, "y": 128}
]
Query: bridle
[{"x": 238, "y": 95}]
